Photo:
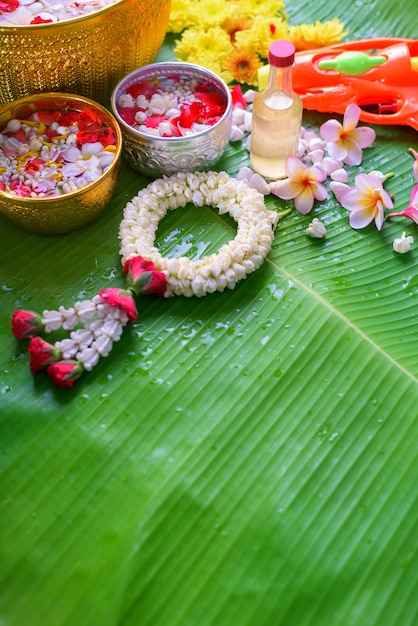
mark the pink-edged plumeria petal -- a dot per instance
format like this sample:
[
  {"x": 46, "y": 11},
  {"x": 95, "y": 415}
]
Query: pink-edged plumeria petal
[
  {"x": 304, "y": 200},
  {"x": 351, "y": 117},
  {"x": 381, "y": 195},
  {"x": 352, "y": 200},
  {"x": 361, "y": 219},
  {"x": 337, "y": 151},
  {"x": 365, "y": 183},
  {"x": 415, "y": 165},
  {"x": 353, "y": 152},
  {"x": 339, "y": 189},
  {"x": 315, "y": 173},
  {"x": 413, "y": 199},
  {"x": 379, "y": 215},
  {"x": 331, "y": 130},
  {"x": 295, "y": 168},
  {"x": 319, "y": 192},
  {"x": 363, "y": 136},
  {"x": 285, "y": 189}
]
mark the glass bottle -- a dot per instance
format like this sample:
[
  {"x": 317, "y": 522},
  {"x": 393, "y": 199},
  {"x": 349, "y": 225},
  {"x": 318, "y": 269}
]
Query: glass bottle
[{"x": 277, "y": 115}]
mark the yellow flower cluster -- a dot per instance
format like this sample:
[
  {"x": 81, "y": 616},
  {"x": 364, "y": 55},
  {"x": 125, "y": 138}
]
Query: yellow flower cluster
[{"x": 232, "y": 37}]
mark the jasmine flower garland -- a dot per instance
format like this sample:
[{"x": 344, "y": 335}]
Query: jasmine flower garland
[{"x": 241, "y": 256}]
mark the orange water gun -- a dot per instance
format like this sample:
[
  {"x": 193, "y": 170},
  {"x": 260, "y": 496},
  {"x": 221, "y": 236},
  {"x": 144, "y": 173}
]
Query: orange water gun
[{"x": 379, "y": 75}]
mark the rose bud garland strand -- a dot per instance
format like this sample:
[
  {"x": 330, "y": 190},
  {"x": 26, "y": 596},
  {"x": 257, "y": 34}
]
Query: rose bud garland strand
[{"x": 94, "y": 324}]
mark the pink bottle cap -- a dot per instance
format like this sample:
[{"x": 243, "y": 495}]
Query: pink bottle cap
[{"x": 281, "y": 53}]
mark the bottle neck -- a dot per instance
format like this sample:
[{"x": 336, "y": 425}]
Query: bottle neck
[{"x": 280, "y": 79}]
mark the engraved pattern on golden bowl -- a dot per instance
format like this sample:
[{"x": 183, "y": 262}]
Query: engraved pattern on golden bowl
[
  {"x": 86, "y": 55},
  {"x": 70, "y": 211}
]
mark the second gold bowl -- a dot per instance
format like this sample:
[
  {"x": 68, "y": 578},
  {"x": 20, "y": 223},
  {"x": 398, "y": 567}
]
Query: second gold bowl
[{"x": 70, "y": 211}]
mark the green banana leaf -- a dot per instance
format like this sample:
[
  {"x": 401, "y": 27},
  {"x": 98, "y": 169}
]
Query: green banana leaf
[{"x": 244, "y": 459}]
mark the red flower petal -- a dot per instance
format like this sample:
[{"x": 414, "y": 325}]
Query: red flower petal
[
  {"x": 146, "y": 88},
  {"x": 69, "y": 118},
  {"x": 190, "y": 113},
  {"x": 143, "y": 277},
  {"x": 88, "y": 120},
  {"x": 155, "y": 120},
  {"x": 238, "y": 101},
  {"x": 64, "y": 373},
  {"x": 42, "y": 354},
  {"x": 39, "y": 20},
  {"x": 25, "y": 324},
  {"x": 128, "y": 114},
  {"x": 7, "y": 6},
  {"x": 48, "y": 116},
  {"x": 122, "y": 299}
]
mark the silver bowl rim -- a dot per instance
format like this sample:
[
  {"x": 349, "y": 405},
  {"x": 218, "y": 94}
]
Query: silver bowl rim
[{"x": 170, "y": 65}]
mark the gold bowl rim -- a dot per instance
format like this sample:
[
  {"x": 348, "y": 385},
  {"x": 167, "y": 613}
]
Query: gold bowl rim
[
  {"x": 171, "y": 64},
  {"x": 66, "y": 196}
]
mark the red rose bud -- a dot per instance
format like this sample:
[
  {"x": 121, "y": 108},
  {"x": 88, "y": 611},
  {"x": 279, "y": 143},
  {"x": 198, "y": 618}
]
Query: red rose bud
[
  {"x": 64, "y": 373},
  {"x": 121, "y": 298},
  {"x": 143, "y": 277},
  {"x": 42, "y": 354},
  {"x": 26, "y": 323}
]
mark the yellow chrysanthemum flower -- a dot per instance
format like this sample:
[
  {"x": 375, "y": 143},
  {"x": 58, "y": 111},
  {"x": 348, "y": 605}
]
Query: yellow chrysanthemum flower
[
  {"x": 211, "y": 62},
  {"x": 210, "y": 13},
  {"x": 182, "y": 16},
  {"x": 243, "y": 65},
  {"x": 233, "y": 25},
  {"x": 195, "y": 41},
  {"x": 251, "y": 8},
  {"x": 263, "y": 32},
  {"x": 307, "y": 36}
]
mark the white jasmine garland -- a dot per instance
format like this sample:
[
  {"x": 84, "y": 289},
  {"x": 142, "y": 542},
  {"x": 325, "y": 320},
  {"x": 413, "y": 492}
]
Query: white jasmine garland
[
  {"x": 239, "y": 257},
  {"x": 102, "y": 325}
]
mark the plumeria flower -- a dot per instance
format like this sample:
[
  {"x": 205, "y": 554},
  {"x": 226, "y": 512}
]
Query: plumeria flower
[
  {"x": 346, "y": 142},
  {"x": 303, "y": 184},
  {"x": 411, "y": 211},
  {"x": 366, "y": 201},
  {"x": 403, "y": 244},
  {"x": 415, "y": 165}
]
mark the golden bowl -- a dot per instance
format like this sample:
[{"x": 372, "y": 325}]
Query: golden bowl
[
  {"x": 86, "y": 55},
  {"x": 70, "y": 211}
]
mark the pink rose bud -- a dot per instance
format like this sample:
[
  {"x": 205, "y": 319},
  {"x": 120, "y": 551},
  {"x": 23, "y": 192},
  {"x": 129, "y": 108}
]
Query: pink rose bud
[
  {"x": 42, "y": 354},
  {"x": 26, "y": 323},
  {"x": 143, "y": 277},
  {"x": 64, "y": 373},
  {"x": 121, "y": 298}
]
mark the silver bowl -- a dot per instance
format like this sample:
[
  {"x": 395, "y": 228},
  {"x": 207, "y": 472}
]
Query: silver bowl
[{"x": 155, "y": 156}]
